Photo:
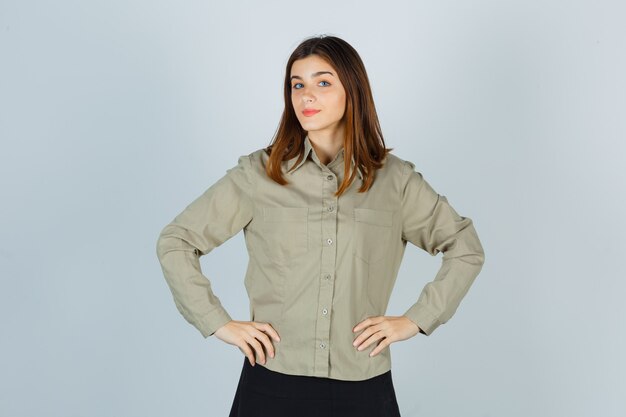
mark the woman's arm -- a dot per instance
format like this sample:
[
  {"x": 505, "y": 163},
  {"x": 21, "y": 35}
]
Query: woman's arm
[
  {"x": 219, "y": 213},
  {"x": 432, "y": 224}
]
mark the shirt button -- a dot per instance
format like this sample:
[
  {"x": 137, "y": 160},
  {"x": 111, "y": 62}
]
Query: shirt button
[
  {"x": 330, "y": 241},
  {"x": 327, "y": 276},
  {"x": 322, "y": 345},
  {"x": 329, "y": 178},
  {"x": 324, "y": 311},
  {"x": 331, "y": 208}
]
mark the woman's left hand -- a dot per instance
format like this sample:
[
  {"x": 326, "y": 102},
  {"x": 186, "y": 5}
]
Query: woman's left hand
[{"x": 387, "y": 329}]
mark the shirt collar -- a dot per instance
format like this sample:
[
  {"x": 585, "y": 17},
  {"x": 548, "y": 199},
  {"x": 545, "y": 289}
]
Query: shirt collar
[{"x": 308, "y": 148}]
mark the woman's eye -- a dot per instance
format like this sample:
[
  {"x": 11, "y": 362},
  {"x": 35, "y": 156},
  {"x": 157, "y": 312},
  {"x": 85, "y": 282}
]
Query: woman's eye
[{"x": 297, "y": 84}]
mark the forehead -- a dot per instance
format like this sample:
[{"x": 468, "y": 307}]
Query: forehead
[{"x": 310, "y": 64}]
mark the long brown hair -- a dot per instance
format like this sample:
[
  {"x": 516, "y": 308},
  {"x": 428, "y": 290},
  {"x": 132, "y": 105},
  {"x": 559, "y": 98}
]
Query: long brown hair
[{"x": 363, "y": 139}]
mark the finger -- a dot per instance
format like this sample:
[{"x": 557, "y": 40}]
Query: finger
[
  {"x": 362, "y": 343},
  {"x": 273, "y": 332},
  {"x": 248, "y": 353},
  {"x": 373, "y": 338},
  {"x": 380, "y": 347},
  {"x": 360, "y": 325},
  {"x": 360, "y": 339},
  {"x": 363, "y": 336},
  {"x": 267, "y": 343},
  {"x": 256, "y": 345},
  {"x": 266, "y": 327}
]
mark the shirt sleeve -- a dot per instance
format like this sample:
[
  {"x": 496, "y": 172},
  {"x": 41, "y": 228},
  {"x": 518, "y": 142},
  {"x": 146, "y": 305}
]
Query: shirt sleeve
[
  {"x": 219, "y": 213},
  {"x": 432, "y": 224}
]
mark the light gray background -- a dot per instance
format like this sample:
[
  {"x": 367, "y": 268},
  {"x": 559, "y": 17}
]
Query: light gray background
[{"x": 114, "y": 115}]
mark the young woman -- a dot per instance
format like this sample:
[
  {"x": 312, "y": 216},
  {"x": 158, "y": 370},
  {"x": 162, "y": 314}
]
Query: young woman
[{"x": 327, "y": 212}]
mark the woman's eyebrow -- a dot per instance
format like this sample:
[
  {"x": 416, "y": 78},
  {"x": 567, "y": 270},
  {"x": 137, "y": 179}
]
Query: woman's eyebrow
[{"x": 315, "y": 74}]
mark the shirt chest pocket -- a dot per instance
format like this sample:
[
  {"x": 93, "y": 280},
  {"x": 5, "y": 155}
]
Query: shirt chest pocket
[
  {"x": 285, "y": 232},
  {"x": 372, "y": 234}
]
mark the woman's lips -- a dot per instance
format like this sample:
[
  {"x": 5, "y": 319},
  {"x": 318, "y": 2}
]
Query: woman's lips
[{"x": 310, "y": 112}]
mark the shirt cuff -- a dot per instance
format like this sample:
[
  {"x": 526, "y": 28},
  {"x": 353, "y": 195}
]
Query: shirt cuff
[
  {"x": 213, "y": 321},
  {"x": 421, "y": 315}
]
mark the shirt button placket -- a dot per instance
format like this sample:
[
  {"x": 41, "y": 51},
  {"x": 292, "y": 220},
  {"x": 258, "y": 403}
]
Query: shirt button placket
[{"x": 329, "y": 254}]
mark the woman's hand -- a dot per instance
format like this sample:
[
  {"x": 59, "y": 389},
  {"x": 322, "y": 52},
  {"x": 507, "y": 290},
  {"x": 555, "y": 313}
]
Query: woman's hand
[
  {"x": 387, "y": 329},
  {"x": 249, "y": 335}
]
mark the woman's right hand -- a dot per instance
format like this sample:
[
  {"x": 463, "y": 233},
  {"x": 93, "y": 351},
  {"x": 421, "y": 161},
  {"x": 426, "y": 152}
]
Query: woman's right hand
[{"x": 249, "y": 335}]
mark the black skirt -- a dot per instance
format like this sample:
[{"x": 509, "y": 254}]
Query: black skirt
[{"x": 262, "y": 392}]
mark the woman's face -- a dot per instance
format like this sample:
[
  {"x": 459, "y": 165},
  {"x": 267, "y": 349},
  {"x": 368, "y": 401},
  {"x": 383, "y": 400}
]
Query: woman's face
[{"x": 315, "y": 85}]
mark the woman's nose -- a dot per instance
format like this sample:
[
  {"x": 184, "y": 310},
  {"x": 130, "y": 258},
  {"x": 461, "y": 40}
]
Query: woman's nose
[{"x": 306, "y": 95}]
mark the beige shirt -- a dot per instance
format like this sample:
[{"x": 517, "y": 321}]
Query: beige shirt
[{"x": 318, "y": 264}]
